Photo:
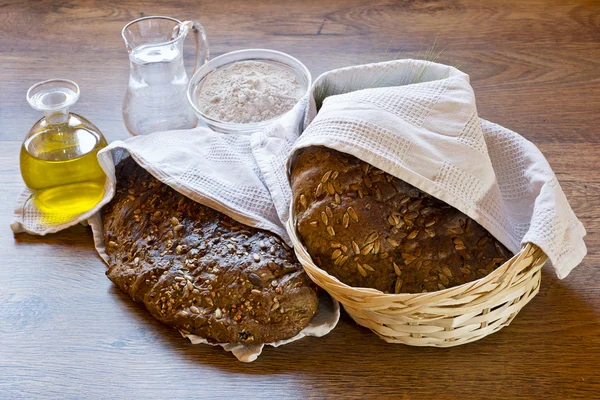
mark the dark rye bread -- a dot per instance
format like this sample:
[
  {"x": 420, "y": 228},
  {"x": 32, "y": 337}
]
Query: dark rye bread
[
  {"x": 200, "y": 271},
  {"x": 370, "y": 229}
]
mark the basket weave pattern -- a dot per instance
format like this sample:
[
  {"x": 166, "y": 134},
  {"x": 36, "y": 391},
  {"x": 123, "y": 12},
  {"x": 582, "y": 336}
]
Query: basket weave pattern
[{"x": 445, "y": 318}]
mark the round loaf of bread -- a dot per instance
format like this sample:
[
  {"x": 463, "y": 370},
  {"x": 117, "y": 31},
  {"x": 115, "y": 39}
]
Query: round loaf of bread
[
  {"x": 370, "y": 229},
  {"x": 200, "y": 271}
]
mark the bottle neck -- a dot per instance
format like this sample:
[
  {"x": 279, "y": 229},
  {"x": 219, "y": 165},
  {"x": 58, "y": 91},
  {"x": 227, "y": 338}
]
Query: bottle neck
[{"x": 57, "y": 116}]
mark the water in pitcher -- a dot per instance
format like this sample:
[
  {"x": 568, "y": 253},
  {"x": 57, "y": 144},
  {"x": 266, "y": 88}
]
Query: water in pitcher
[
  {"x": 157, "y": 90},
  {"x": 156, "y": 97}
]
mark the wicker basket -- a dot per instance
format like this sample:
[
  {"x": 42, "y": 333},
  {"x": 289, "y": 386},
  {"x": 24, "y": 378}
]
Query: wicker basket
[{"x": 445, "y": 318}]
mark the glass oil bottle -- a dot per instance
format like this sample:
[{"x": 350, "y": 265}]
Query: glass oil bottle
[{"x": 58, "y": 156}]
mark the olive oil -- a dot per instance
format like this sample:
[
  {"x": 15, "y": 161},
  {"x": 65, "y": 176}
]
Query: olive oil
[
  {"x": 59, "y": 163},
  {"x": 58, "y": 156}
]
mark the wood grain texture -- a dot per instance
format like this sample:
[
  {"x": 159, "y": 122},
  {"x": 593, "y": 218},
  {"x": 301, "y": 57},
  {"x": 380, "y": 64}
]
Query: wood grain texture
[{"x": 67, "y": 333}]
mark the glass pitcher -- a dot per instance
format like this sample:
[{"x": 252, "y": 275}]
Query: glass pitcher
[{"x": 156, "y": 95}]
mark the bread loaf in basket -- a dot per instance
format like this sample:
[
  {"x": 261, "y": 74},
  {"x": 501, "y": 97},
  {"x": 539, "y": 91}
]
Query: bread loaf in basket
[{"x": 405, "y": 264}]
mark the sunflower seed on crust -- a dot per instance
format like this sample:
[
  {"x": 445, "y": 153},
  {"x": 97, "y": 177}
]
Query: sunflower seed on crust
[
  {"x": 319, "y": 190},
  {"x": 337, "y": 187},
  {"x": 414, "y": 205},
  {"x": 444, "y": 279},
  {"x": 367, "y": 249},
  {"x": 413, "y": 234},
  {"x": 330, "y": 189},
  {"x": 352, "y": 214},
  {"x": 411, "y": 215},
  {"x": 361, "y": 270},
  {"x": 398, "y": 285},
  {"x": 178, "y": 228},
  {"x": 392, "y": 242},
  {"x": 371, "y": 238},
  {"x": 303, "y": 201},
  {"x": 456, "y": 231},
  {"x": 328, "y": 212},
  {"x": 376, "y": 245},
  {"x": 408, "y": 258}
]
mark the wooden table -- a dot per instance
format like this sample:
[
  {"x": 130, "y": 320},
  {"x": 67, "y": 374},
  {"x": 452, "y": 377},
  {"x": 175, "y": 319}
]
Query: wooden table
[{"x": 67, "y": 332}]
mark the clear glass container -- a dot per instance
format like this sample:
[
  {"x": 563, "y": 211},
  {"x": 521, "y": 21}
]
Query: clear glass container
[
  {"x": 278, "y": 58},
  {"x": 155, "y": 99},
  {"x": 58, "y": 156}
]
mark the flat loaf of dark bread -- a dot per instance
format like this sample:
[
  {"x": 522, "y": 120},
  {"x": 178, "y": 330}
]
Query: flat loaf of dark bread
[
  {"x": 370, "y": 229},
  {"x": 200, "y": 271}
]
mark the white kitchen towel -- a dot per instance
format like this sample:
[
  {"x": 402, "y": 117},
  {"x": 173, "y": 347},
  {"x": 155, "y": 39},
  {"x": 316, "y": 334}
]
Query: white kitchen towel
[
  {"x": 211, "y": 168},
  {"x": 418, "y": 121}
]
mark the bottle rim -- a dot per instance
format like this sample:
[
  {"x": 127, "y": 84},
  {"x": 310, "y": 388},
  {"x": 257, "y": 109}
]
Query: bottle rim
[{"x": 53, "y": 94}]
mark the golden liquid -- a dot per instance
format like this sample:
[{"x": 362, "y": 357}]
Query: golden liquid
[{"x": 59, "y": 163}]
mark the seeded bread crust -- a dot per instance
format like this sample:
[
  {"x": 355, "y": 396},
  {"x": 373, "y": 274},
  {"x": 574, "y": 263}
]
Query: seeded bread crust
[
  {"x": 370, "y": 229},
  {"x": 200, "y": 271}
]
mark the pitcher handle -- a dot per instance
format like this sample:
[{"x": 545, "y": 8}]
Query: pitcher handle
[{"x": 202, "y": 50}]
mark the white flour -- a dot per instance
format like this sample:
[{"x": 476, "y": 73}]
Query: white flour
[{"x": 249, "y": 91}]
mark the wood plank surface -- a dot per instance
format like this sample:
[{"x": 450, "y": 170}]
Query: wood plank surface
[{"x": 67, "y": 333}]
